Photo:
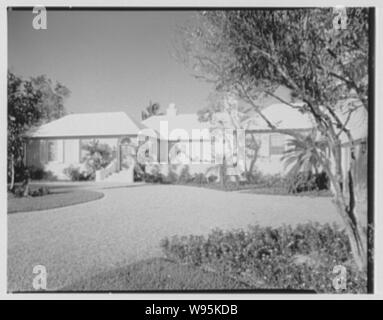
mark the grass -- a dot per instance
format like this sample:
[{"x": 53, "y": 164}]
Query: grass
[
  {"x": 50, "y": 201},
  {"x": 301, "y": 257},
  {"x": 255, "y": 189},
  {"x": 284, "y": 192},
  {"x": 154, "y": 275}
]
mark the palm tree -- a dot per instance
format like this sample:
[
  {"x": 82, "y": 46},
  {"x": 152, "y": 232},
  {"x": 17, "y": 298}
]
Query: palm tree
[
  {"x": 153, "y": 109},
  {"x": 303, "y": 154}
]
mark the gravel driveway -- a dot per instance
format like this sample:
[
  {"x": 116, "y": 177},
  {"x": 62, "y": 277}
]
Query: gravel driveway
[{"x": 128, "y": 224}]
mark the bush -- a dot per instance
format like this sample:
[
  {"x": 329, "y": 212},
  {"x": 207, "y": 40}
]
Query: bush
[
  {"x": 281, "y": 258},
  {"x": 78, "y": 174},
  {"x": 200, "y": 179},
  {"x": 42, "y": 191},
  {"x": 139, "y": 172},
  {"x": 212, "y": 179},
  {"x": 99, "y": 155},
  {"x": 37, "y": 173},
  {"x": 39, "y": 192},
  {"x": 306, "y": 181},
  {"x": 293, "y": 184},
  {"x": 231, "y": 185},
  {"x": 185, "y": 176}
]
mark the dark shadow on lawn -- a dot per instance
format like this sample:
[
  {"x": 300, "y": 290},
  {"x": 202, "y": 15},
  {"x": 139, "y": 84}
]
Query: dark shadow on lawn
[
  {"x": 162, "y": 275},
  {"x": 52, "y": 201}
]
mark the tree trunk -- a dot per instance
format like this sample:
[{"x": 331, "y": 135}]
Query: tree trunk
[
  {"x": 252, "y": 164},
  {"x": 346, "y": 200},
  {"x": 356, "y": 235},
  {"x": 12, "y": 185}
]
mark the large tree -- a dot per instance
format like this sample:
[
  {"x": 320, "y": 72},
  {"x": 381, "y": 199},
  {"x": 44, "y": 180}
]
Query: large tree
[
  {"x": 224, "y": 112},
  {"x": 253, "y": 53},
  {"x": 53, "y": 96},
  {"x": 30, "y": 103},
  {"x": 23, "y": 111}
]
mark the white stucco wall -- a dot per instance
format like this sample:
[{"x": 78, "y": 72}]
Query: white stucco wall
[
  {"x": 68, "y": 154},
  {"x": 67, "y": 151},
  {"x": 266, "y": 162}
]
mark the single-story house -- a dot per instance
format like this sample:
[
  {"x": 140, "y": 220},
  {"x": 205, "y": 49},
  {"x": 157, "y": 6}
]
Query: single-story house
[
  {"x": 179, "y": 138},
  {"x": 58, "y": 145}
]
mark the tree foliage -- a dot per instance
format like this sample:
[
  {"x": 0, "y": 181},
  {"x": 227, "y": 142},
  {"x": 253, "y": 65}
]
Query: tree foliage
[
  {"x": 224, "y": 112},
  {"x": 302, "y": 154},
  {"x": 30, "y": 103},
  {"x": 53, "y": 96},
  {"x": 23, "y": 112},
  {"x": 98, "y": 155},
  {"x": 252, "y": 53},
  {"x": 153, "y": 109}
]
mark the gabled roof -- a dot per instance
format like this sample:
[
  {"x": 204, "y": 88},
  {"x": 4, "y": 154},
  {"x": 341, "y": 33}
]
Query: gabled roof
[
  {"x": 283, "y": 117},
  {"x": 88, "y": 124}
]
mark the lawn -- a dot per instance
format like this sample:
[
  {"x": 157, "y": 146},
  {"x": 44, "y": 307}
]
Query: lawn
[
  {"x": 128, "y": 224},
  {"x": 300, "y": 258},
  {"x": 154, "y": 275},
  {"x": 50, "y": 201}
]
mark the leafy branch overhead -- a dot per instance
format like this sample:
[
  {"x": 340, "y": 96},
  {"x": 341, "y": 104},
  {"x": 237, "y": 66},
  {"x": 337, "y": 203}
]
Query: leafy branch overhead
[{"x": 254, "y": 53}]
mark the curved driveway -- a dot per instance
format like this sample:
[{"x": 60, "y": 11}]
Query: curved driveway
[{"x": 128, "y": 224}]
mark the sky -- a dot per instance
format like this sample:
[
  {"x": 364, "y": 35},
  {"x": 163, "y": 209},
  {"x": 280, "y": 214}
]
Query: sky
[{"x": 109, "y": 60}]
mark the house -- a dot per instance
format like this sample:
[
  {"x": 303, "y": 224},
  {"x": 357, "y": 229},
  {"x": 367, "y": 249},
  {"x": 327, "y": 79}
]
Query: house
[
  {"x": 180, "y": 140},
  {"x": 59, "y": 144},
  {"x": 186, "y": 130}
]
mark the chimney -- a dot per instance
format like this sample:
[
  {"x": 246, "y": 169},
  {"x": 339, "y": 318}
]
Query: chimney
[{"x": 171, "y": 111}]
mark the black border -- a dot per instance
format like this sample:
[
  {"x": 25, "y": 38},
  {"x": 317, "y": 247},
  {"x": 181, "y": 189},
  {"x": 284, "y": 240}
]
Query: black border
[{"x": 371, "y": 150}]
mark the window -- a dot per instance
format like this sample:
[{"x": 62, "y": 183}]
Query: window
[
  {"x": 277, "y": 144},
  {"x": 52, "y": 151}
]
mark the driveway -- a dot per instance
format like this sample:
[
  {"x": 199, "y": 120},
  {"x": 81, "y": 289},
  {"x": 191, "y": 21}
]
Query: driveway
[{"x": 128, "y": 224}]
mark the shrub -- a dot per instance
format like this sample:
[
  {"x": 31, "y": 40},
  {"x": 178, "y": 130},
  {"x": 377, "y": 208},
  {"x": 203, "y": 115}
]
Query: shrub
[
  {"x": 322, "y": 181},
  {"x": 38, "y": 173},
  {"x": 42, "y": 191},
  {"x": 306, "y": 181},
  {"x": 139, "y": 172},
  {"x": 231, "y": 185},
  {"x": 152, "y": 178},
  {"x": 200, "y": 179},
  {"x": 98, "y": 156},
  {"x": 185, "y": 176},
  {"x": 171, "y": 177},
  {"x": 79, "y": 174},
  {"x": 212, "y": 179},
  {"x": 293, "y": 184},
  {"x": 302, "y": 257}
]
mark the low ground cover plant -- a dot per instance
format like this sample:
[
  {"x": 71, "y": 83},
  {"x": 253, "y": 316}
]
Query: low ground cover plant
[
  {"x": 79, "y": 173},
  {"x": 301, "y": 257},
  {"x": 303, "y": 183},
  {"x": 32, "y": 192}
]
